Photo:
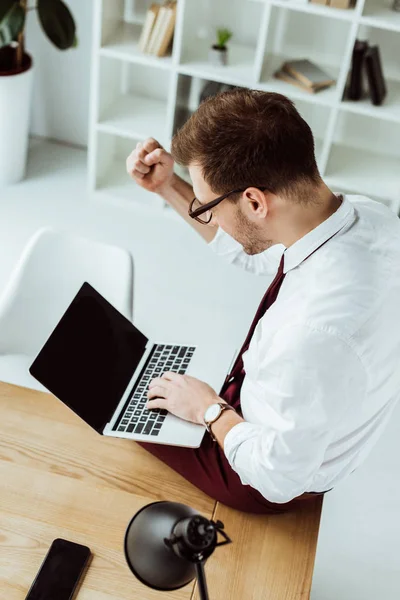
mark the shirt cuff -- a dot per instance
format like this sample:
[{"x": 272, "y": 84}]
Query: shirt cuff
[{"x": 236, "y": 436}]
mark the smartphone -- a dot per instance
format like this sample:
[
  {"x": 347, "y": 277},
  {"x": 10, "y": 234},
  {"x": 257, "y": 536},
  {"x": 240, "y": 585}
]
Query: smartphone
[{"x": 61, "y": 570}]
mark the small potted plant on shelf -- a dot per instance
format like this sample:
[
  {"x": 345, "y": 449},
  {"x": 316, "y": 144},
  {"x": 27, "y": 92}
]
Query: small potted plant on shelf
[
  {"x": 218, "y": 54},
  {"x": 16, "y": 75}
]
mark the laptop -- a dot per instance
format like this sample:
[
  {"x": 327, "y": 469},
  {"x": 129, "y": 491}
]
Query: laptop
[{"x": 100, "y": 365}]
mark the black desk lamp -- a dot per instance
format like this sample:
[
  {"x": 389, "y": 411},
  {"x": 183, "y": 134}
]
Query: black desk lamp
[{"x": 167, "y": 544}]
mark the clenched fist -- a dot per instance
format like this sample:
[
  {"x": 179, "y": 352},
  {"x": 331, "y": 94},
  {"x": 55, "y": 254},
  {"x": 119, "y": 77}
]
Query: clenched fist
[{"x": 150, "y": 166}]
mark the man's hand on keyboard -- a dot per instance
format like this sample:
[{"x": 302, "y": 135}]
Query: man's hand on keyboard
[{"x": 182, "y": 395}]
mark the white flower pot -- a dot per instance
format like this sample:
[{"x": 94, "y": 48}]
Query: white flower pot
[
  {"x": 15, "y": 105},
  {"x": 218, "y": 56}
]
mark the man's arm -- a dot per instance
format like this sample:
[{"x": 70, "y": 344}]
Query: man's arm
[
  {"x": 308, "y": 383},
  {"x": 179, "y": 194},
  {"x": 152, "y": 167}
]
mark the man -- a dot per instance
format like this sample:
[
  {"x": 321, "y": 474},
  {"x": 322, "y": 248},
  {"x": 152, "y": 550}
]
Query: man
[{"x": 318, "y": 375}]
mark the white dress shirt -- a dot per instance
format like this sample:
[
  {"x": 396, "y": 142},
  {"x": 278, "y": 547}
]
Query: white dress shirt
[{"x": 323, "y": 366}]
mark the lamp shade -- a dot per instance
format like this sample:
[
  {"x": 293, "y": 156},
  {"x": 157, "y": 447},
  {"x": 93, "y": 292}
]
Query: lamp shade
[{"x": 150, "y": 559}]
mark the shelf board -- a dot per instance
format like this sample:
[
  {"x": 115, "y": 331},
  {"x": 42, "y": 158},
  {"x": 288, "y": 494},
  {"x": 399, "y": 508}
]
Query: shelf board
[
  {"x": 316, "y": 9},
  {"x": 364, "y": 172},
  {"x": 269, "y": 83},
  {"x": 383, "y": 17},
  {"x": 389, "y": 111},
  {"x": 123, "y": 45},
  {"x": 239, "y": 70},
  {"x": 116, "y": 186},
  {"x": 136, "y": 117}
]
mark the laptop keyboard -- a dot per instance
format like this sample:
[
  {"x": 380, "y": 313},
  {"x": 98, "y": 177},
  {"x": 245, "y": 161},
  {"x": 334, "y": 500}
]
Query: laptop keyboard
[{"x": 136, "y": 418}]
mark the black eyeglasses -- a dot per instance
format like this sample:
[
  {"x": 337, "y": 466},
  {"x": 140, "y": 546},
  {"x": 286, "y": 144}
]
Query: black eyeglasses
[{"x": 202, "y": 212}]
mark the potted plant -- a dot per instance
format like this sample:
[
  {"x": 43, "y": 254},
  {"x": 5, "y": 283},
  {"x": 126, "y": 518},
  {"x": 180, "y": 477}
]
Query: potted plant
[
  {"x": 218, "y": 54},
  {"x": 16, "y": 75}
]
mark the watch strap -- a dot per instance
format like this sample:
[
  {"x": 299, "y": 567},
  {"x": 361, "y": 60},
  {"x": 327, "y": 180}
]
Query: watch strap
[{"x": 224, "y": 406}]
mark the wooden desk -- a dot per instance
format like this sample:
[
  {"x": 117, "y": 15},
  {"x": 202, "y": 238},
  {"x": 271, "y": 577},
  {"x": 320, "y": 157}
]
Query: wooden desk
[{"x": 58, "y": 478}]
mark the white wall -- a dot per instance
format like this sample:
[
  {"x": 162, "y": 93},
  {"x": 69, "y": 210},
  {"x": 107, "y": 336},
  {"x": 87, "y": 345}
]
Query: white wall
[{"x": 62, "y": 79}]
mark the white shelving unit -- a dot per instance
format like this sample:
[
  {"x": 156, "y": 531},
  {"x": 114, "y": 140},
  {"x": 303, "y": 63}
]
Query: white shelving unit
[{"x": 135, "y": 96}]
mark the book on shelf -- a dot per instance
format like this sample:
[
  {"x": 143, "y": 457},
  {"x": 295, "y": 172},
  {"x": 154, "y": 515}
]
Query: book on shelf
[
  {"x": 376, "y": 81},
  {"x": 158, "y": 28},
  {"x": 308, "y": 73},
  {"x": 355, "y": 87},
  {"x": 366, "y": 61},
  {"x": 150, "y": 19},
  {"x": 167, "y": 31},
  {"x": 304, "y": 74},
  {"x": 284, "y": 76},
  {"x": 344, "y": 4}
]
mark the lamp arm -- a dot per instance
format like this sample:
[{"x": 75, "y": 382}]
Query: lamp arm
[{"x": 201, "y": 580}]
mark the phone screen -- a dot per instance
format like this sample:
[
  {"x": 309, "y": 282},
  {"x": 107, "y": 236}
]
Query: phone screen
[{"x": 60, "y": 572}]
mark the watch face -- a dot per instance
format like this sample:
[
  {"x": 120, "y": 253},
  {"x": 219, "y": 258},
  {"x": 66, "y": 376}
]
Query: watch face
[{"x": 212, "y": 412}]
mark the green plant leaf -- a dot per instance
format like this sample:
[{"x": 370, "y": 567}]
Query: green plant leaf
[
  {"x": 5, "y": 6},
  {"x": 57, "y": 23},
  {"x": 223, "y": 36},
  {"x": 12, "y": 23}
]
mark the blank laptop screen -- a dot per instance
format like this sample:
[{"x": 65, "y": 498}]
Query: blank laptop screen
[{"x": 90, "y": 357}]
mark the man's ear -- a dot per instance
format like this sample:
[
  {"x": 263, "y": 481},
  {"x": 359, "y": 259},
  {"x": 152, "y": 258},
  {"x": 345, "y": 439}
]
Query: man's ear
[{"x": 255, "y": 203}]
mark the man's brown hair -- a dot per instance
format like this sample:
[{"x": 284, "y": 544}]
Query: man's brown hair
[{"x": 244, "y": 137}]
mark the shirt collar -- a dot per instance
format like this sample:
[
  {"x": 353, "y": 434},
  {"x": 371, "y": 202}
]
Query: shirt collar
[{"x": 300, "y": 250}]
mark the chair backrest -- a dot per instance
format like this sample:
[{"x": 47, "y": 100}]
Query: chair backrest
[{"x": 50, "y": 271}]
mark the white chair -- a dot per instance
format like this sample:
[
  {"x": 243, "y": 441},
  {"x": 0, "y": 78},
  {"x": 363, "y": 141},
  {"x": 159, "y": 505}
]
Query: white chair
[{"x": 52, "y": 267}]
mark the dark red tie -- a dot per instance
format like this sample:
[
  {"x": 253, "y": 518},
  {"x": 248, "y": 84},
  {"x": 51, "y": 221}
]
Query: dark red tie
[
  {"x": 234, "y": 380},
  {"x": 231, "y": 389}
]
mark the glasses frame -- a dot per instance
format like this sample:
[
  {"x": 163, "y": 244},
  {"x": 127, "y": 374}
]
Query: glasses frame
[{"x": 195, "y": 214}]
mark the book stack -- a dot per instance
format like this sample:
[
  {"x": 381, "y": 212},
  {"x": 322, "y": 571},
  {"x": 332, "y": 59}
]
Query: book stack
[
  {"x": 336, "y": 3},
  {"x": 304, "y": 74},
  {"x": 366, "y": 60},
  {"x": 158, "y": 28}
]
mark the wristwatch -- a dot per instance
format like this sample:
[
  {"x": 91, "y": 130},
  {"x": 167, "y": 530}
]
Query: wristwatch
[{"x": 213, "y": 412}]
